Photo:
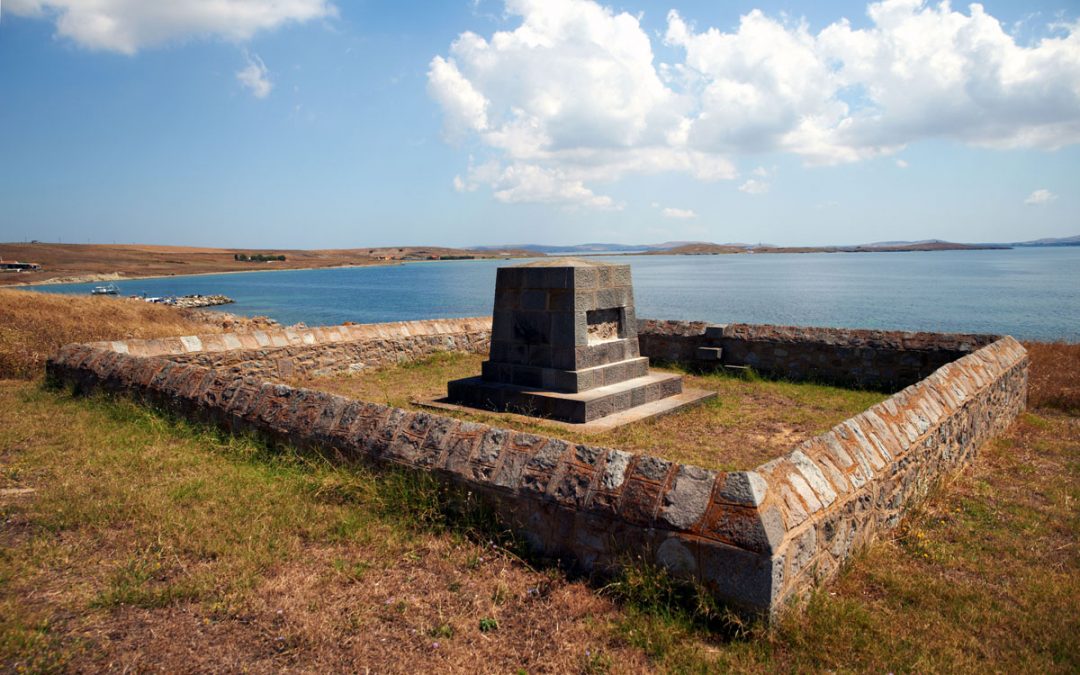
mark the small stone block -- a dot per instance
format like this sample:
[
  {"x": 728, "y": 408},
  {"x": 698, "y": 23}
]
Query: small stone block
[
  {"x": 709, "y": 353},
  {"x": 715, "y": 332}
]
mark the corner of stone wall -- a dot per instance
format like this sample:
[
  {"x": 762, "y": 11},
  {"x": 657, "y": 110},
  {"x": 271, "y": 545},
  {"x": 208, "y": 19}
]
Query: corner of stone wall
[{"x": 836, "y": 492}]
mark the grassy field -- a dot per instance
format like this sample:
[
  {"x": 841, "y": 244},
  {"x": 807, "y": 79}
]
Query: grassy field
[
  {"x": 130, "y": 541},
  {"x": 133, "y": 541},
  {"x": 749, "y": 422}
]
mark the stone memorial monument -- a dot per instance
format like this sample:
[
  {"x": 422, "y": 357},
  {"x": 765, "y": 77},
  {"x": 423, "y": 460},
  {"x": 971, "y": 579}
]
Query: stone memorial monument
[{"x": 564, "y": 346}]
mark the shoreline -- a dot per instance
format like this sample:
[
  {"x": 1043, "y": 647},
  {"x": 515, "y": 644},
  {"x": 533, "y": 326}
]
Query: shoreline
[
  {"x": 1030, "y": 332},
  {"x": 50, "y": 282},
  {"x": 108, "y": 276}
]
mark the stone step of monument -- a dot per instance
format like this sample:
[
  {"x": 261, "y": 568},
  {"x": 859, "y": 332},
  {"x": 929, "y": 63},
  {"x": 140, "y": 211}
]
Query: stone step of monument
[
  {"x": 565, "y": 380},
  {"x": 664, "y": 406},
  {"x": 576, "y": 407}
]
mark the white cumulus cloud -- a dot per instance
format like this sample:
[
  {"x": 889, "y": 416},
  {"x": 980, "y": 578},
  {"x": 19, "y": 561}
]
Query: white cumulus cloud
[
  {"x": 1040, "y": 197},
  {"x": 568, "y": 99},
  {"x": 464, "y": 107},
  {"x": 126, "y": 26},
  {"x": 523, "y": 182},
  {"x": 902, "y": 164},
  {"x": 678, "y": 213},
  {"x": 574, "y": 91},
  {"x": 754, "y": 187},
  {"x": 255, "y": 77}
]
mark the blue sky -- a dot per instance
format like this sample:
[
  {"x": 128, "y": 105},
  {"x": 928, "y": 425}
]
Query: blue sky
[{"x": 347, "y": 124}]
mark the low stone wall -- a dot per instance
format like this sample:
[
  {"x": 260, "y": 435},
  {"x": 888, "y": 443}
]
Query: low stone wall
[
  {"x": 754, "y": 538},
  {"x": 283, "y": 353},
  {"x": 871, "y": 359},
  {"x": 838, "y": 491}
]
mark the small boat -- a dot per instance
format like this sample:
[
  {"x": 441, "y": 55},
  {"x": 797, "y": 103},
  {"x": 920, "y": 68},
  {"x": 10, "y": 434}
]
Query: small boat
[{"x": 111, "y": 289}]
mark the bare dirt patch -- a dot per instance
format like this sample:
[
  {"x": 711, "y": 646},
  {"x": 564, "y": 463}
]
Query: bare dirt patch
[{"x": 421, "y": 612}]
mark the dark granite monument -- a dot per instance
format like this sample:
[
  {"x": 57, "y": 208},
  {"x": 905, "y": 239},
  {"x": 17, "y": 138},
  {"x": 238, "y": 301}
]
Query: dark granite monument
[{"x": 564, "y": 346}]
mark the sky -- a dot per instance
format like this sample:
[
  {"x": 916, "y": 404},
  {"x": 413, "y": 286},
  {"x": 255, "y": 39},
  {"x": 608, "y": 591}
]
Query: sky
[{"x": 341, "y": 123}]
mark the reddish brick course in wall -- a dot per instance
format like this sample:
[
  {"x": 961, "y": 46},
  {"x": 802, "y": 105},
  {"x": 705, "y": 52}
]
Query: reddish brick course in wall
[{"x": 754, "y": 538}]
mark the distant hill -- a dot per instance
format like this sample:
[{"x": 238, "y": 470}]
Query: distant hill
[
  {"x": 701, "y": 248},
  {"x": 589, "y": 248},
  {"x": 706, "y": 247},
  {"x": 112, "y": 262},
  {"x": 1059, "y": 241},
  {"x": 100, "y": 262},
  {"x": 710, "y": 248},
  {"x": 882, "y": 247},
  {"x": 924, "y": 242}
]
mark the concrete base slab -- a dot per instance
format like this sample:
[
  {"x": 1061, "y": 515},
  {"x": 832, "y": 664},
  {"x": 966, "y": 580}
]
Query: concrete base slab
[{"x": 671, "y": 404}]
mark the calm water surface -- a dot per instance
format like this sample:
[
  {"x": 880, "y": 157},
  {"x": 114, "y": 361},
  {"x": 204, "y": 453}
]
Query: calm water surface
[{"x": 1029, "y": 293}]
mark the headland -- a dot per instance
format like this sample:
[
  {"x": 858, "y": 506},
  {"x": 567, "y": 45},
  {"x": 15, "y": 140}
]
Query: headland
[{"x": 85, "y": 263}]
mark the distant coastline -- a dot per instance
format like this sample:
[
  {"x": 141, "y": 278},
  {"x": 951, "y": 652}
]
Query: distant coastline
[
  {"x": 722, "y": 249},
  {"x": 938, "y": 291},
  {"x": 92, "y": 263},
  {"x": 95, "y": 263},
  {"x": 707, "y": 247},
  {"x": 115, "y": 276},
  {"x": 98, "y": 278}
]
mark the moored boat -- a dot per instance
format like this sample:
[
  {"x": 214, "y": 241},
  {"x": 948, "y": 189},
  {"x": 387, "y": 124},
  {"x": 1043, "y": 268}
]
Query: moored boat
[{"x": 111, "y": 289}]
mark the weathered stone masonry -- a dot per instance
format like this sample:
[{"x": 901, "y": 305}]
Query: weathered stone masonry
[
  {"x": 284, "y": 353},
  {"x": 754, "y": 538},
  {"x": 886, "y": 360}
]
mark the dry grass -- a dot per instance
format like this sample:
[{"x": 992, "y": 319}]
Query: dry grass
[
  {"x": 158, "y": 544},
  {"x": 130, "y": 541},
  {"x": 1055, "y": 376},
  {"x": 34, "y": 325},
  {"x": 985, "y": 575},
  {"x": 149, "y": 543},
  {"x": 750, "y": 421}
]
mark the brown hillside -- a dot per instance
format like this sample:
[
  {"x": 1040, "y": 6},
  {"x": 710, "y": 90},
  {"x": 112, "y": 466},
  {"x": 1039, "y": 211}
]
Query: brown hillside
[{"x": 88, "y": 262}]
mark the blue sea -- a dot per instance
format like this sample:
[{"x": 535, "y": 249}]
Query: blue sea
[{"x": 1030, "y": 293}]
